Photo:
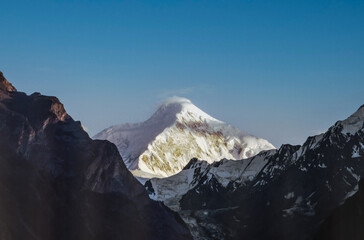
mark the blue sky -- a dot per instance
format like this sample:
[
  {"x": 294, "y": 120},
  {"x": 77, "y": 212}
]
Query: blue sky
[{"x": 282, "y": 70}]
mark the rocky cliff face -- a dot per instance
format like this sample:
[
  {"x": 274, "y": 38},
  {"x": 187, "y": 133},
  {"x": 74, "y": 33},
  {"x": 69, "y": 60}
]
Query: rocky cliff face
[
  {"x": 278, "y": 194},
  {"x": 57, "y": 183}
]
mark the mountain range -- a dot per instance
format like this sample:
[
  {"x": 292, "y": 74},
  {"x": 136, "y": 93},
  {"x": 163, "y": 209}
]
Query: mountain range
[
  {"x": 203, "y": 179},
  {"x": 278, "y": 194}
]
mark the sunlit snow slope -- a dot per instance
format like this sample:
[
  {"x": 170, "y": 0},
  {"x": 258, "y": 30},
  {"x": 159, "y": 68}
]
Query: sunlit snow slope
[{"x": 177, "y": 132}]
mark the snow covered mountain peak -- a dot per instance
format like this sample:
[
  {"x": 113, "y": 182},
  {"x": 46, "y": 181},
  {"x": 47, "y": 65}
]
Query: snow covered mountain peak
[
  {"x": 180, "y": 109},
  {"x": 353, "y": 123},
  {"x": 176, "y": 100},
  {"x": 177, "y": 132}
]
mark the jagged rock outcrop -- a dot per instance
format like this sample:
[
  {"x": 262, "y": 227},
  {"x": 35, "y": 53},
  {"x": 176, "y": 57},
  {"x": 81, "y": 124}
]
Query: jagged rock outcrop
[{"x": 57, "y": 183}]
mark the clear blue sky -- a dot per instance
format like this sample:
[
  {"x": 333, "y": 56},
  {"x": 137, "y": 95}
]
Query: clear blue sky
[{"x": 282, "y": 70}]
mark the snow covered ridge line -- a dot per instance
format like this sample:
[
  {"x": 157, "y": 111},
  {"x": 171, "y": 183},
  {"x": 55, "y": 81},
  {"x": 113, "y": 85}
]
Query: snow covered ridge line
[
  {"x": 295, "y": 184},
  {"x": 227, "y": 173},
  {"x": 267, "y": 163},
  {"x": 353, "y": 123},
  {"x": 177, "y": 132}
]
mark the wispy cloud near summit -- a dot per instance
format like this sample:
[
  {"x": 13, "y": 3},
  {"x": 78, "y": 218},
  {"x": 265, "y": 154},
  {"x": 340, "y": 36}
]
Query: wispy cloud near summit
[{"x": 175, "y": 92}]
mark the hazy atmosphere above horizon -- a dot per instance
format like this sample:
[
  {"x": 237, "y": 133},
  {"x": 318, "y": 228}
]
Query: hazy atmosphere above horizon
[{"x": 280, "y": 70}]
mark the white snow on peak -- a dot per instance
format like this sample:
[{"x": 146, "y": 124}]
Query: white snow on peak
[
  {"x": 174, "y": 100},
  {"x": 170, "y": 190},
  {"x": 182, "y": 108},
  {"x": 353, "y": 123},
  {"x": 177, "y": 132},
  {"x": 174, "y": 187}
]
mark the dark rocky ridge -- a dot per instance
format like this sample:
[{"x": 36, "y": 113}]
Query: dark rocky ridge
[
  {"x": 347, "y": 221},
  {"x": 57, "y": 183}
]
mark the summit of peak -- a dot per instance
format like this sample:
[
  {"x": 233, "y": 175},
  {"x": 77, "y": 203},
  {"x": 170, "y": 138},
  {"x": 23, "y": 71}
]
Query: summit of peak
[
  {"x": 175, "y": 100},
  {"x": 361, "y": 108},
  {"x": 5, "y": 85},
  {"x": 354, "y": 122},
  {"x": 177, "y": 103},
  {"x": 182, "y": 107}
]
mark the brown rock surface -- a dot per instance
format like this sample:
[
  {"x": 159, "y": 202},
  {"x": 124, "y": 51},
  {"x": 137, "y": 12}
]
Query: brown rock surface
[{"x": 5, "y": 84}]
